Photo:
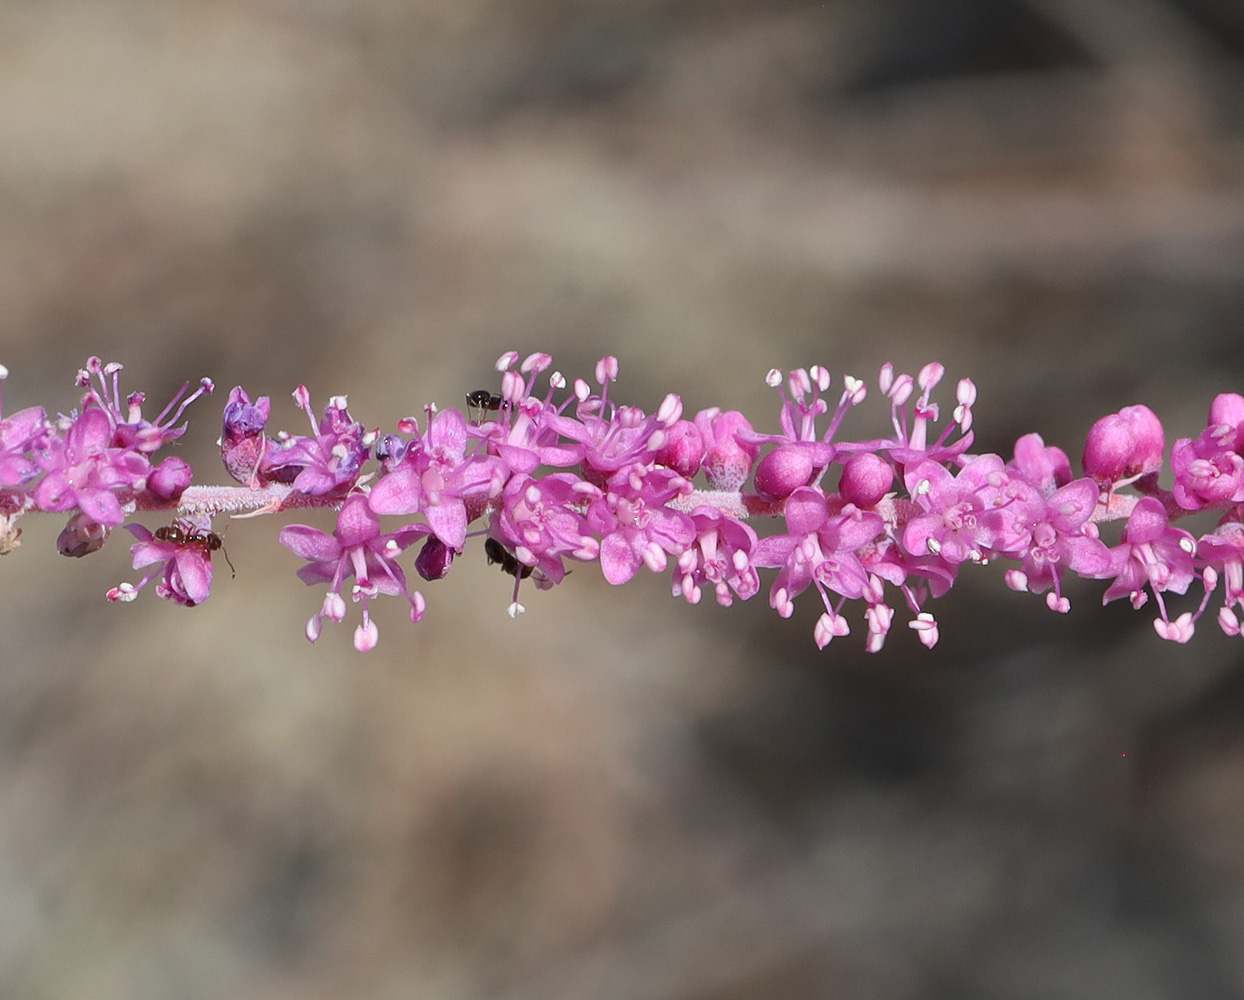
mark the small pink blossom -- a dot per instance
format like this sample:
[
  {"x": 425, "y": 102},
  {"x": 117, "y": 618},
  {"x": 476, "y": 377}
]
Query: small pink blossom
[{"x": 358, "y": 549}]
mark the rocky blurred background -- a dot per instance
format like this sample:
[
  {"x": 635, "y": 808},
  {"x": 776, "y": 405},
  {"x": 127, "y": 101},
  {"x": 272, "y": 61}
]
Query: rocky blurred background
[{"x": 616, "y": 796}]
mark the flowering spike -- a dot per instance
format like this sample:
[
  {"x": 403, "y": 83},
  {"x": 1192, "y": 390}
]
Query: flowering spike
[{"x": 582, "y": 477}]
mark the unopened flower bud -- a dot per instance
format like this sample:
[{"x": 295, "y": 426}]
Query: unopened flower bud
[
  {"x": 683, "y": 450},
  {"x": 783, "y": 471},
  {"x": 1124, "y": 444},
  {"x": 170, "y": 478},
  {"x": 866, "y": 478},
  {"x": 434, "y": 559}
]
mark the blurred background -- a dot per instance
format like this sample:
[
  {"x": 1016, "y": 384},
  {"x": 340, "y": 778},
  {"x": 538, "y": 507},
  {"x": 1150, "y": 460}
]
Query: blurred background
[{"x": 616, "y": 796}]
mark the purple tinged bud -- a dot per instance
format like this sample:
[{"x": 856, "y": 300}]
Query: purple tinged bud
[
  {"x": 866, "y": 479},
  {"x": 242, "y": 441},
  {"x": 389, "y": 451},
  {"x": 683, "y": 450},
  {"x": 434, "y": 559},
  {"x": 81, "y": 536},
  {"x": 1124, "y": 444},
  {"x": 170, "y": 478},
  {"x": 783, "y": 471}
]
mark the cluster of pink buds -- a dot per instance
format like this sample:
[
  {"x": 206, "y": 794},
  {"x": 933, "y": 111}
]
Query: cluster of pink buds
[{"x": 548, "y": 472}]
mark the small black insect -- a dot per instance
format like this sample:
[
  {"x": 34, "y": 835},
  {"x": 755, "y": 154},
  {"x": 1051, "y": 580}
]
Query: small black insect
[
  {"x": 498, "y": 553},
  {"x": 210, "y": 541},
  {"x": 481, "y": 402}
]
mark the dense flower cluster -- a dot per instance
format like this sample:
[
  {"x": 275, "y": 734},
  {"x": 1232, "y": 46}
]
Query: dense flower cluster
[{"x": 548, "y": 476}]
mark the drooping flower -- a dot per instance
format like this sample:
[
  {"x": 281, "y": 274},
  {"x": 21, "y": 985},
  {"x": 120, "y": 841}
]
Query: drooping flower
[
  {"x": 720, "y": 557},
  {"x": 1223, "y": 551},
  {"x": 1154, "y": 555},
  {"x": 180, "y": 558},
  {"x": 358, "y": 549},
  {"x": 819, "y": 547}
]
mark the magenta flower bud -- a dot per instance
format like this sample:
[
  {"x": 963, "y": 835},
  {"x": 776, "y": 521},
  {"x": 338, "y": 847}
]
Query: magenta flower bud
[
  {"x": 1124, "y": 444},
  {"x": 170, "y": 478},
  {"x": 727, "y": 461},
  {"x": 783, "y": 471},
  {"x": 866, "y": 478},
  {"x": 683, "y": 450},
  {"x": 434, "y": 559},
  {"x": 242, "y": 441},
  {"x": 81, "y": 536},
  {"x": 1045, "y": 466},
  {"x": 1227, "y": 410}
]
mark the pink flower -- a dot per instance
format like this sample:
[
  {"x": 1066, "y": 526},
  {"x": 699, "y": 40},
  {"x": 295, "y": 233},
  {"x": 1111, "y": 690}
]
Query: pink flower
[
  {"x": 329, "y": 461},
  {"x": 720, "y": 556},
  {"x": 1207, "y": 472},
  {"x": 540, "y": 522},
  {"x": 20, "y": 433},
  {"x": 436, "y": 477},
  {"x": 1157, "y": 556},
  {"x": 962, "y": 519},
  {"x": 635, "y": 525},
  {"x": 130, "y": 430},
  {"x": 1061, "y": 540},
  {"x": 356, "y": 548},
  {"x": 183, "y": 566},
  {"x": 1046, "y": 468},
  {"x": 819, "y": 547},
  {"x": 866, "y": 479},
  {"x": 84, "y": 471}
]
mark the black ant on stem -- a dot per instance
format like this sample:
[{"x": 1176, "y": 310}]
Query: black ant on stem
[{"x": 211, "y": 542}]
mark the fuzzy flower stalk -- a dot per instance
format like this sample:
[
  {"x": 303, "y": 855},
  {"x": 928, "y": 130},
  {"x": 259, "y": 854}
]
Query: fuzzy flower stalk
[{"x": 546, "y": 472}]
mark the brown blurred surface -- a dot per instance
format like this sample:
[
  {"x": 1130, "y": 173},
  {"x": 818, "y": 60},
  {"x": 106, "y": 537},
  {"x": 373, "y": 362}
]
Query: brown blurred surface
[{"x": 615, "y": 796}]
